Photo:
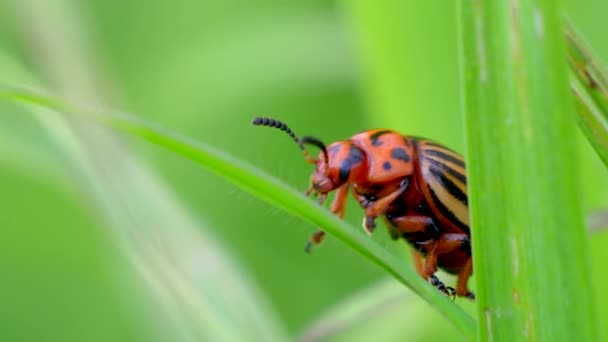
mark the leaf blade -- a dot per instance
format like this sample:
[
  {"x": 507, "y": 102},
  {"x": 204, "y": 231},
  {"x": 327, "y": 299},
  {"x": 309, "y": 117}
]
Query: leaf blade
[{"x": 267, "y": 188}]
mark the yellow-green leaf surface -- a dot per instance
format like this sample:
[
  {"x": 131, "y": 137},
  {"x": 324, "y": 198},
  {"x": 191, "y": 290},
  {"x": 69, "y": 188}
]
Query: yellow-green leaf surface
[
  {"x": 589, "y": 83},
  {"x": 522, "y": 182}
]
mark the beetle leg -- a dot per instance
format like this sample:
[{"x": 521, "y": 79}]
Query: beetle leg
[
  {"x": 463, "y": 277},
  {"x": 337, "y": 207},
  {"x": 446, "y": 290},
  {"x": 451, "y": 242},
  {"x": 415, "y": 224},
  {"x": 430, "y": 262},
  {"x": 417, "y": 258},
  {"x": 378, "y": 207},
  {"x": 433, "y": 280},
  {"x": 315, "y": 239},
  {"x": 444, "y": 244},
  {"x": 421, "y": 224}
]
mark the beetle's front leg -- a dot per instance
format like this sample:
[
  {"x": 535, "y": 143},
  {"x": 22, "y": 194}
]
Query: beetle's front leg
[
  {"x": 373, "y": 209},
  {"x": 338, "y": 207}
]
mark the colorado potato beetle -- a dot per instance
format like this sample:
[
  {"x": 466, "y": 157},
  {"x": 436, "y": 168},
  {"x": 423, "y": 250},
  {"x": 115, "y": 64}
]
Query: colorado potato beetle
[{"x": 417, "y": 185}]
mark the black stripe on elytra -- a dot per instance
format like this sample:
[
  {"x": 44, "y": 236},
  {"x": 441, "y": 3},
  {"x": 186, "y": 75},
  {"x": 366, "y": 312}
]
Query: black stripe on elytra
[
  {"x": 446, "y": 168},
  {"x": 400, "y": 154},
  {"x": 436, "y": 145},
  {"x": 374, "y": 137},
  {"x": 447, "y": 213},
  {"x": 432, "y": 143},
  {"x": 354, "y": 156},
  {"x": 445, "y": 156},
  {"x": 449, "y": 186}
]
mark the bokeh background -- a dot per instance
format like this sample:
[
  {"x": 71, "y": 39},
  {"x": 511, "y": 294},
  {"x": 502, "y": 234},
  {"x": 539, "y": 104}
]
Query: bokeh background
[{"x": 204, "y": 69}]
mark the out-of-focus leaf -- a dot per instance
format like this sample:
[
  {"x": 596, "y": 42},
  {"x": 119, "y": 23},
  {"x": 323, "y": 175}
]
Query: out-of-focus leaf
[
  {"x": 199, "y": 291},
  {"x": 522, "y": 174},
  {"x": 381, "y": 312}
]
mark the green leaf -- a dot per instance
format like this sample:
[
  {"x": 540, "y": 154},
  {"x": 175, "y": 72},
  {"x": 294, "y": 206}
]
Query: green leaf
[
  {"x": 589, "y": 84},
  {"x": 269, "y": 189},
  {"x": 532, "y": 278}
]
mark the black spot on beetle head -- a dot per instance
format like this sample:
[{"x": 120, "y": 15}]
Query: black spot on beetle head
[
  {"x": 345, "y": 170},
  {"x": 355, "y": 156}
]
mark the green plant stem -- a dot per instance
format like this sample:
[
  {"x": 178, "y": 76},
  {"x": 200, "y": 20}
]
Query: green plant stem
[
  {"x": 529, "y": 241},
  {"x": 269, "y": 189}
]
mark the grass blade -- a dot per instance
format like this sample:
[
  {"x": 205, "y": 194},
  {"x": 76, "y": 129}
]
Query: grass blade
[
  {"x": 589, "y": 84},
  {"x": 592, "y": 120},
  {"x": 587, "y": 67},
  {"x": 270, "y": 190},
  {"x": 532, "y": 279}
]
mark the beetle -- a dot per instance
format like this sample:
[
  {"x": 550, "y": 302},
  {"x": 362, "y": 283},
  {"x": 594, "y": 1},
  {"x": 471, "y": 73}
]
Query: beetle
[{"x": 417, "y": 185}]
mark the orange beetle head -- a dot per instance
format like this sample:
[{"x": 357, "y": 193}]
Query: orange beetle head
[
  {"x": 322, "y": 180},
  {"x": 340, "y": 163},
  {"x": 334, "y": 166}
]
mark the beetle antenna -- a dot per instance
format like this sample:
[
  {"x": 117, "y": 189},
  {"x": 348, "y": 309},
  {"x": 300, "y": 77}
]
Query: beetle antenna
[
  {"x": 318, "y": 143},
  {"x": 261, "y": 121}
]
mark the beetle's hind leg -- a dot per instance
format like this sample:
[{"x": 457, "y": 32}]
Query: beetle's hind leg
[
  {"x": 432, "y": 279},
  {"x": 463, "y": 277},
  {"x": 446, "y": 290}
]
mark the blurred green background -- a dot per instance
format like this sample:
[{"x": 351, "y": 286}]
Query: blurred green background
[{"x": 205, "y": 68}]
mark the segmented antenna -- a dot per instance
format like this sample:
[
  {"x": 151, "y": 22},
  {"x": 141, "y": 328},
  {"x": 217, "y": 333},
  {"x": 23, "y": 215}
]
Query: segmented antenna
[{"x": 261, "y": 121}]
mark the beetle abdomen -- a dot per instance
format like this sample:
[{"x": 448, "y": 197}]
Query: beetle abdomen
[{"x": 443, "y": 175}]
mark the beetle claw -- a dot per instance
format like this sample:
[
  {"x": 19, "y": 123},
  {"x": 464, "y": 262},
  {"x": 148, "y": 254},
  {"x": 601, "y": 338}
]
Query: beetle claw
[
  {"x": 446, "y": 290},
  {"x": 451, "y": 292},
  {"x": 308, "y": 247},
  {"x": 368, "y": 224}
]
